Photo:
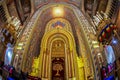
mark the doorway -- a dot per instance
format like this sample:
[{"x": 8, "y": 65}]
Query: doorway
[
  {"x": 58, "y": 60},
  {"x": 58, "y": 68}
]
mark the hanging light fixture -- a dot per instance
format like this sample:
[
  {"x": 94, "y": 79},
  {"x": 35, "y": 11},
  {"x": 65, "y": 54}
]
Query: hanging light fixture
[{"x": 58, "y": 11}]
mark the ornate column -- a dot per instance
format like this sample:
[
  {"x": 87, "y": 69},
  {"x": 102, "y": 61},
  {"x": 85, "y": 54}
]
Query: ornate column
[
  {"x": 72, "y": 64},
  {"x": 68, "y": 64},
  {"x": 20, "y": 10},
  {"x": 43, "y": 64},
  {"x": 32, "y": 2},
  {"x": 71, "y": 69},
  {"x": 47, "y": 63}
]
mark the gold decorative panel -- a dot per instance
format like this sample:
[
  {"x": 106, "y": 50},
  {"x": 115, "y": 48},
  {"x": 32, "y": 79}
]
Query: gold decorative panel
[{"x": 58, "y": 48}]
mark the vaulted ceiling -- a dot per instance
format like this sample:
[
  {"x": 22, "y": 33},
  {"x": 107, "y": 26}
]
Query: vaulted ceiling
[
  {"x": 68, "y": 15},
  {"x": 87, "y": 5}
]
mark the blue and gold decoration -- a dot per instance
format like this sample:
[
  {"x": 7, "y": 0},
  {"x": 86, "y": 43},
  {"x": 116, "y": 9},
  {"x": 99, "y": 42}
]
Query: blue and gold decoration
[{"x": 106, "y": 33}]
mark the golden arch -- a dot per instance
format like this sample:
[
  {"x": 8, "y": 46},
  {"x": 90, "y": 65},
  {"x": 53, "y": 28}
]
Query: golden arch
[
  {"x": 61, "y": 31},
  {"x": 45, "y": 42},
  {"x": 66, "y": 23},
  {"x": 70, "y": 55}
]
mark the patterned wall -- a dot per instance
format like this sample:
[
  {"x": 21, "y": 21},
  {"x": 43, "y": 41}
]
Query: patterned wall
[{"x": 39, "y": 31}]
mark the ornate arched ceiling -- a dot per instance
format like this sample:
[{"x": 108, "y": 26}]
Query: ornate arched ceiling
[
  {"x": 90, "y": 6},
  {"x": 40, "y": 2},
  {"x": 46, "y": 16},
  {"x": 68, "y": 15}
]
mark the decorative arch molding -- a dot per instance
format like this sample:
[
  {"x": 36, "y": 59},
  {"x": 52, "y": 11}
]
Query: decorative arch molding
[
  {"x": 27, "y": 42},
  {"x": 56, "y": 31},
  {"x": 45, "y": 38},
  {"x": 70, "y": 53},
  {"x": 57, "y": 36},
  {"x": 58, "y": 22}
]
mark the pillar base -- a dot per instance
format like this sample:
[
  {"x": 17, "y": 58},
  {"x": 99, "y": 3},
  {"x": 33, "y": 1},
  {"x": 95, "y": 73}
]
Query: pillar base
[
  {"x": 73, "y": 78},
  {"x": 44, "y": 79}
]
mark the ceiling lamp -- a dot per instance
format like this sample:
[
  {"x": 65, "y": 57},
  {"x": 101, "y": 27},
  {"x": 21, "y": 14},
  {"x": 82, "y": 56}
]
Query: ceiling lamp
[{"x": 58, "y": 11}]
